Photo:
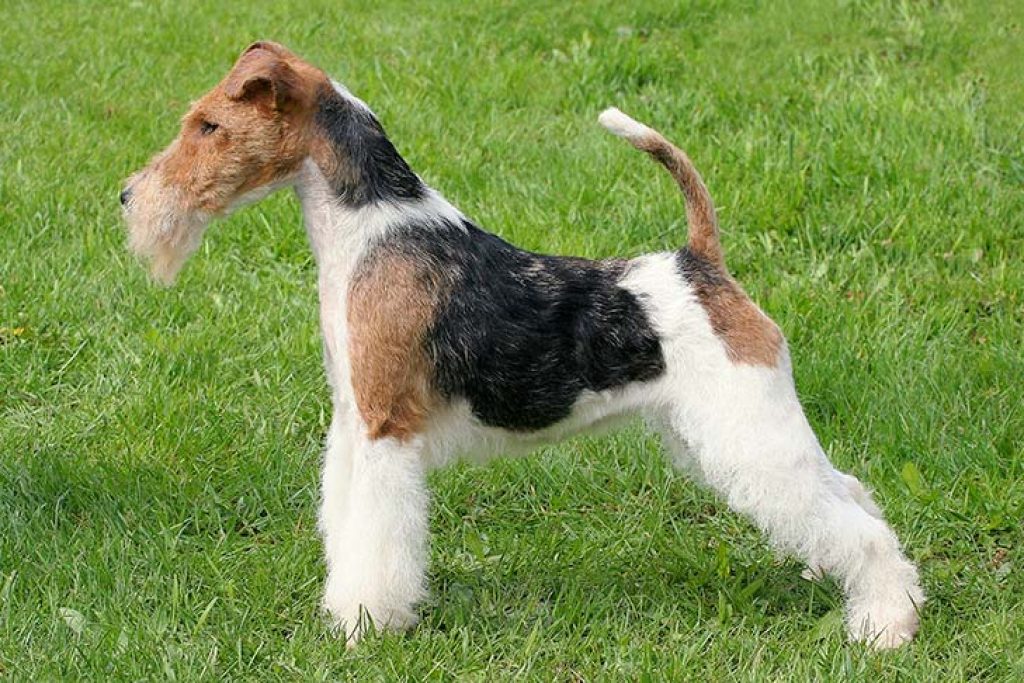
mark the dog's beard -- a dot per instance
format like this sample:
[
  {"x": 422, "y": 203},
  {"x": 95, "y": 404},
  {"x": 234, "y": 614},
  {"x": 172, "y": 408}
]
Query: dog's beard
[{"x": 163, "y": 234}]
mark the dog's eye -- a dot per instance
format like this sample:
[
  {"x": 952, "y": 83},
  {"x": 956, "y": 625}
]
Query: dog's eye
[{"x": 207, "y": 128}]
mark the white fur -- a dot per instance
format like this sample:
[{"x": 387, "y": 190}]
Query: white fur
[
  {"x": 742, "y": 429},
  {"x": 344, "y": 92},
  {"x": 259, "y": 193},
  {"x": 373, "y": 511},
  {"x": 159, "y": 231},
  {"x": 622, "y": 125}
]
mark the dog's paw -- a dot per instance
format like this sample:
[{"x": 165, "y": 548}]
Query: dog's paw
[
  {"x": 813, "y": 573},
  {"x": 353, "y": 619},
  {"x": 348, "y": 623},
  {"x": 884, "y": 626}
]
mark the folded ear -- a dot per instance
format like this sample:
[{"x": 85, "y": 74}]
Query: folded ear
[
  {"x": 269, "y": 46},
  {"x": 263, "y": 75}
]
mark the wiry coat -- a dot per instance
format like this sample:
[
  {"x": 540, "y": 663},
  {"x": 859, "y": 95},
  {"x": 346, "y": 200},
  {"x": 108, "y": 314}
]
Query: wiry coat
[{"x": 444, "y": 341}]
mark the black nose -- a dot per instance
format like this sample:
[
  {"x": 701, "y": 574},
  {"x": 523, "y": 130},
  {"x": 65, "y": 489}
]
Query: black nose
[{"x": 125, "y": 196}]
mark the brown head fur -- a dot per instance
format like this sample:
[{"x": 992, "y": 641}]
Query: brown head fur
[{"x": 250, "y": 132}]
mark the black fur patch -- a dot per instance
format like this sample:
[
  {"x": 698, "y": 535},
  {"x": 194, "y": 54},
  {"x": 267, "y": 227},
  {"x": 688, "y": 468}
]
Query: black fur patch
[
  {"x": 521, "y": 335},
  {"x": 698, "y": 271},
  {"x": 375, "y": 169}
]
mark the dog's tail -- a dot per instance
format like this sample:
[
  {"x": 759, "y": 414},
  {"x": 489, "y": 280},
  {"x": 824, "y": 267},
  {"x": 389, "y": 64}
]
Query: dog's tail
[{"x": 700, "y": 212}]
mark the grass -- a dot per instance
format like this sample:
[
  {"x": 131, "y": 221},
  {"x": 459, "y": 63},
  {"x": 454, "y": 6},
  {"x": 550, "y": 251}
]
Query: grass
[{"x": 159, "y": 448}]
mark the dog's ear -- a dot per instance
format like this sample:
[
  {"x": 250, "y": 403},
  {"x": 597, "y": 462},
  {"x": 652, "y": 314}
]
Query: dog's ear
[
  {"x": 269, "y": 46},
  {"x": 262, "y": 75}
]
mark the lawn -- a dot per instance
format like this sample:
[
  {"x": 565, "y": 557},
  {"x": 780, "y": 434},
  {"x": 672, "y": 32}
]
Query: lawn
[{"x": 159, "y": 448}]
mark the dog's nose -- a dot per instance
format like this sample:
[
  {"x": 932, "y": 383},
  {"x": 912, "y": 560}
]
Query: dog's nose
[{"x": 125, "y": 195}]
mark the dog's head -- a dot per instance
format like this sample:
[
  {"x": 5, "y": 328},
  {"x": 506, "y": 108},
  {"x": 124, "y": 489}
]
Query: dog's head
[{"x": 242, "y": 140}]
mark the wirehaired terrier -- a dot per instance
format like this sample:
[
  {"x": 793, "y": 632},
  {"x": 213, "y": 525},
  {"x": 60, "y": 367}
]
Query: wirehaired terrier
[{"x": 443, "y": 341}]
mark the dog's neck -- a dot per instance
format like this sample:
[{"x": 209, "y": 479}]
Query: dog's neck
[
  {"x": 354, "y": 183},
  {"x": 354, "y": 153},
  {"x": 340, "y": 232}
]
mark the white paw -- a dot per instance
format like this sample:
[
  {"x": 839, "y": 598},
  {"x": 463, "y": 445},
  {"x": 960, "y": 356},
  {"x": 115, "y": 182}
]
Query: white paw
[
  {"x": 353, "y": 618},
  {"x": 813, "y": 573},
  {"x": 884, "y": 626}
]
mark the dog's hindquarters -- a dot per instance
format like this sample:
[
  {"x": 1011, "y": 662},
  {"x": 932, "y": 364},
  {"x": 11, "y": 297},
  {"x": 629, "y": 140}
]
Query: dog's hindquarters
[
  {"x": 751, "y": 443},
  {"x": 741, "y": 428}
]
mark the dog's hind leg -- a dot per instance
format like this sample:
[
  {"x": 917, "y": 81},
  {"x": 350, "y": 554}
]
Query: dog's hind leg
[
  {"x": 754, "y": 446},
  {"x": 678, "y": 450},
  {"x": 377, "y": 558}
]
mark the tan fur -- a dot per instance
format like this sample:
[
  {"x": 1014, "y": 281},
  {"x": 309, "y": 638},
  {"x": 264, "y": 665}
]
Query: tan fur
[
  {"x": 700, "y": 210},
  {"x": 264, "y": 110},
  {"x": 389, "y": 312},
  {"x": 255, "y": 144},
  {"x": 337, "y": 170},
  {"x": 750, "y": 337}
]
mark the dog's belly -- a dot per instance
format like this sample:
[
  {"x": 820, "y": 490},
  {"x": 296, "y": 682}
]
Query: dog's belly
[{"x": 456, "y": 433}]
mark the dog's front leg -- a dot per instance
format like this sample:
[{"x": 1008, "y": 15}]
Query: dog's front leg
[
  {"x": 334, "y": 491},
  {"x": 375, "y": 532}
]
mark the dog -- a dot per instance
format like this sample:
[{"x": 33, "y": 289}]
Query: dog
[{"x": 443, "y": 341}]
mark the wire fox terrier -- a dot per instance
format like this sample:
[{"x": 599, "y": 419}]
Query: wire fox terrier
[{"x": 443, "y": 341}]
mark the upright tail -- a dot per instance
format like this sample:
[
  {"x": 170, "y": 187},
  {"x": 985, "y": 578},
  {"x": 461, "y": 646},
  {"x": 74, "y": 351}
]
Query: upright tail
[{"x": 700, "y": 212}]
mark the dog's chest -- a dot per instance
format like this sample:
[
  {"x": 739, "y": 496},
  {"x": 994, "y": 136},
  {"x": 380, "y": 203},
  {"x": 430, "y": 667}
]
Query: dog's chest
[{"x": 333, "y": 328}]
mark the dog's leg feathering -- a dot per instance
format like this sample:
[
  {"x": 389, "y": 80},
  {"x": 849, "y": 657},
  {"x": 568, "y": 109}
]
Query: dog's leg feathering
[
  {"x": 377, "y": 561},
  {"x": 334, "y": 494},
  {"x": 763, "y": 458}
]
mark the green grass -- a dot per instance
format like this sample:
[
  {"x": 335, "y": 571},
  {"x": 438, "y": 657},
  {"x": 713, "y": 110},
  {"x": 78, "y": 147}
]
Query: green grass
[{"x": 159, "y": 448}]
